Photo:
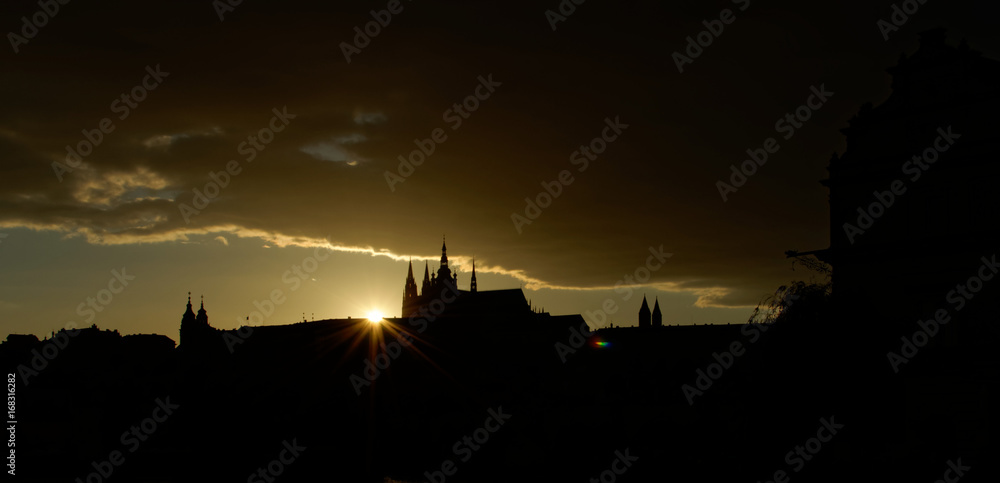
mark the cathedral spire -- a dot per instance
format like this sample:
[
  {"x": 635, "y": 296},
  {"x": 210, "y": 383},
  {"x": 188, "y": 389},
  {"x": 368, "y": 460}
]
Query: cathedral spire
[
  {"x": 644, "y": 314},
  {"x": 444, "y": 275},
  {"x": 473, "y": 288},
  {"x": 444, "y": 252},
  {"x": 657, "y": 315},
  {"x": 425, "y": 288},
  {"x": 410, "y": 288}
]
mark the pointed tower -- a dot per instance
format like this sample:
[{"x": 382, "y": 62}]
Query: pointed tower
[
  {"x": 473, "y": 288},
  {"x": 425, "y": 289},
  {"x": 202, "y": 317},
  {"x": 657, "y": 316},
  {"x": 444, "y": 272},
  {"x": 409, "y": 290},
  {"x": 644, "y": 315}
]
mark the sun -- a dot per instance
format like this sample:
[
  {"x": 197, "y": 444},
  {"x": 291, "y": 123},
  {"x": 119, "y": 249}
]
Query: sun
[{"x": 374, "y": 316}]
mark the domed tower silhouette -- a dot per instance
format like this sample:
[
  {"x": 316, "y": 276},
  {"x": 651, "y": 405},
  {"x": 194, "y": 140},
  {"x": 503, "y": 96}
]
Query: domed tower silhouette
[
  {"x": 202, "y": 317},
  {"x": 644, "y": 315},
  {"x": 196, "y": 334},
  {"x": 657, "y": 315},
  {"x": 189, "y": 325},
  {"x": 188, "y": 319}
]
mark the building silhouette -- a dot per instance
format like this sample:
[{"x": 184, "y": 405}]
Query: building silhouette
[
  {"x": 440, "y": 291},
  {"x": 433, "y": 284},
  {"x": 913, "y": 209},
  {"x": 195, "y": 333},
  {"x": 650, "y": 319},
  {"x": 439, "y": 298},
  {"x": 657, "y": 315},
  {"x": 644, "y": 314}
]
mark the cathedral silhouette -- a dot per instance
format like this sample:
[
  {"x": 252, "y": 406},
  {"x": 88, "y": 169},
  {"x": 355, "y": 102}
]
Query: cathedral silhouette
[
  {"x": 433, "y": 285},
  {"x": 645, "y": 317},
  {"x": 439, "y": 293}
]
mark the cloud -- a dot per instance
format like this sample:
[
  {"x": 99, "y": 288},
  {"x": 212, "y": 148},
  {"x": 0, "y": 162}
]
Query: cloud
[
  {"x": 334, "y": 150},
  {"x": 166, "y": 140},
  {"x": 115, "y": 187},
  {"x": 331, "y": 151},
  {"x": 158, "y": 141},
  {"x": 653, "y": 185},
  {"x": 222, "y": 240},
  {"x": 362, "y": 118}
]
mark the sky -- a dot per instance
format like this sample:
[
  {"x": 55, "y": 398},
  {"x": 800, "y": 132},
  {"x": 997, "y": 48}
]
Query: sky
[{"x": 252, "y": 154}]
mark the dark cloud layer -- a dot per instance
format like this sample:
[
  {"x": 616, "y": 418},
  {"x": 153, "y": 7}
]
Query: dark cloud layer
[{"x": 323, "y": 176}]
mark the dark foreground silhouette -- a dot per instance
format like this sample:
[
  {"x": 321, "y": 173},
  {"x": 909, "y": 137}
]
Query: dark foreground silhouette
[{"x": 888, "y": 375}]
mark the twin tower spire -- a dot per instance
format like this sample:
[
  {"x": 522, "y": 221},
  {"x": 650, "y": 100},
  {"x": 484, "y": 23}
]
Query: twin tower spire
[{"x": 645, "y": 317}]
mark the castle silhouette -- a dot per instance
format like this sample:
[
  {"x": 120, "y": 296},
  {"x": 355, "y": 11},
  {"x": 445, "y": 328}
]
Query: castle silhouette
[
  {"x": 439, "y": 296},
  {"x": 433, "y": 285},
  {"x": 442, "y": 287}
]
